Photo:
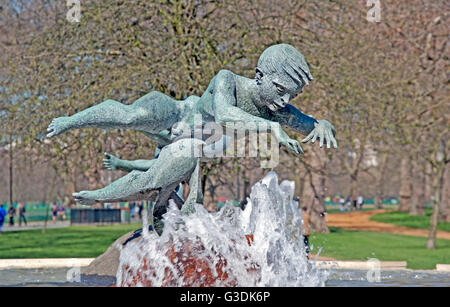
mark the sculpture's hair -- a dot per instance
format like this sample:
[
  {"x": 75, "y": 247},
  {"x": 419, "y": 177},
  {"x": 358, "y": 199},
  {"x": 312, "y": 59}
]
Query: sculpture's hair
[{"x": 285, "y": 59}]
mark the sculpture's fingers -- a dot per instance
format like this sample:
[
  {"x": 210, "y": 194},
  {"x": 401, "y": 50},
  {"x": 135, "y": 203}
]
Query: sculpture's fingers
[
  {"x": 328, "y": 139},
  {"x": 107, "y": 155},
  {"x": 322, "y": 136},
  {"x": 300, "y": 149},
  {"x": 316, "y": 134},
  {"x": 308, "y": 137},
  {"x": 333, "y": 140},
  {"x": 291, "y": 148}
]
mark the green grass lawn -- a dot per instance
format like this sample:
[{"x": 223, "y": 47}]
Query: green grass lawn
[
  {"x": 358, "y": 245},
  {"x": 404, "y": 219},
  {"x": 69, "y": 242}
]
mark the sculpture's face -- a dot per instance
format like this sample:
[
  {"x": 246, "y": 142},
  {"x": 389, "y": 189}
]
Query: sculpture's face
[{"x": 276, "y": 90}]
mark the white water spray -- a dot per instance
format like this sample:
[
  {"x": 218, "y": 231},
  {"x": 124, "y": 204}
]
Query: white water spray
[{"x": 212, "y": 249}]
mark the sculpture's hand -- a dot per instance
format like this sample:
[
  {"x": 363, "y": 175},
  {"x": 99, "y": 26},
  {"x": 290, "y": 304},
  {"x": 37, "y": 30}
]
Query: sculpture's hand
[
  {"x": 325, "y": 131},
  {"x": 285, "y": 140},
  {"x": 85, "y": 197},
  {"x": 57, "y": 126},
  {"x": 111, "y": 162}
]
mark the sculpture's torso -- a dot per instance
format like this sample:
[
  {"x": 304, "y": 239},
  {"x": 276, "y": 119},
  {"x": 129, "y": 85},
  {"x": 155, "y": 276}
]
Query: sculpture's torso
[{"x": 203, "y": 105}]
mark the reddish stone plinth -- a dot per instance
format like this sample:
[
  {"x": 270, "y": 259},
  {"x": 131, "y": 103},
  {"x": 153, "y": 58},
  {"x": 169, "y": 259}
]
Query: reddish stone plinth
[{"x": 187, "y": 269}]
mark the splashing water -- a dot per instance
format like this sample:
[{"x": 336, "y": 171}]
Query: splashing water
[{"x": 259, "y": 246}]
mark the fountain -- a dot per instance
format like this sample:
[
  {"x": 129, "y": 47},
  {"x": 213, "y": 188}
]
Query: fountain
[{"x": 258, "y": 246}]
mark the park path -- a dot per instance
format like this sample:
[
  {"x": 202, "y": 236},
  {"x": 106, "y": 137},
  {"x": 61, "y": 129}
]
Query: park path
[
  {"x": 360, "y": 220},
  {"x": 36, "y": 225}
]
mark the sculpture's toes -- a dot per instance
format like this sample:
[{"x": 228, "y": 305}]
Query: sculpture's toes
[
  {"x": 84, "y": 198},
  {"x": 51, "y": 129},
  {"x": 55, "y": 127}
]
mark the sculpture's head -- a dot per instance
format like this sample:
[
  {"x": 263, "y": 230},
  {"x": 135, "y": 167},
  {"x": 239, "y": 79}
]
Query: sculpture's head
[{"x": 281, "y": 74}]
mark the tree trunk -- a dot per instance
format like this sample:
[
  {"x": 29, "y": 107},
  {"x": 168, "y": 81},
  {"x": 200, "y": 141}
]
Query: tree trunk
[
  {"x": 418, "y": 194},
  {"x": 379, "y": 181},
  {"x": 405, "y": 188},
  {"x": 445, "y": 202},
  {"x": 415, "y": 191},
  {"x": 313, "y": 199},
  {"x": 353, "y": 188},
  {"x": 11, "y": 169},
  {"x": 438, "y": 180}
]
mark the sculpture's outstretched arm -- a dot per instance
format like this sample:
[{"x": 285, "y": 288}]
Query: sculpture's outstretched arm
[
  {"x": 226, "y": 112},
  {"x": 294, "y": 119}
]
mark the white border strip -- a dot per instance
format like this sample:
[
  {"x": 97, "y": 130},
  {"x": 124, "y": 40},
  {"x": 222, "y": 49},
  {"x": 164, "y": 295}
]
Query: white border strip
[
  {"x": 44, "y": 263},
  {"x": 360, "y": 265},
  {"x": 443, "y": 267}
]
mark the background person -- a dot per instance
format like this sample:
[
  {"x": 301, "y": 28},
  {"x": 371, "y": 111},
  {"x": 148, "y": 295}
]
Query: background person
[
  {"x": 61, "y": 212},
  {"x": 54, "y": 213},
  {"x": 22, "y": 211},
  {"x": 306, "y": 229},
  {"x": 360, "y": 202},
  {"x": 2, "y": 217},
  {"x": 348, "y": 204},
  {"x": 342, "y": 204},
  {"x": 140, "y": 208},
  {"x": 12, "y": 214}
]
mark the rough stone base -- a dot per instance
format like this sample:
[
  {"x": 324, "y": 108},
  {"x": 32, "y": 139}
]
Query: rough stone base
[{"x": 107, "y": 263}]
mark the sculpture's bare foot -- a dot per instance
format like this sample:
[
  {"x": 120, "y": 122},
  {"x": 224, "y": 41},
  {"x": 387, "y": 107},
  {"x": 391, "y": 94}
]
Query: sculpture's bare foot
[
  {"x": 57, "y": 126},
  {"x": 85, "y": 197},
  {"x": 111, "y": 162}
]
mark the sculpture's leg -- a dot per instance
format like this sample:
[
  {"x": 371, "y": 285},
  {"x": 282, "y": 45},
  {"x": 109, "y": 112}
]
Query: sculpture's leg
[
  {"x": 174, "y": 165},
  {"x": 152, "y": 113},
  {"x": 160, "y": 207},
  {"x": 195, "y": 190}
]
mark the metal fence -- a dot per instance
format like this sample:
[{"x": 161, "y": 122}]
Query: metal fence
[{"x": 95, "y": 216}]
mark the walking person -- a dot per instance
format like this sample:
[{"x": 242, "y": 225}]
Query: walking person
[
  {"x": 22, "y": 211},
  {"x": 348, "y": 203},
  {"x": 132, "y": 206},
  {"x": 305, "y": 229},
  {"x": 2, "y": 217},
  {"x": 141, "y": 207},
  {"x": 54, "y": 213},
  {"x": 12, "y": 214},
  {"x": 360, "y": 202},
  {"x": 61, "y": 212},
  {"x": 342, "y": 204}
]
